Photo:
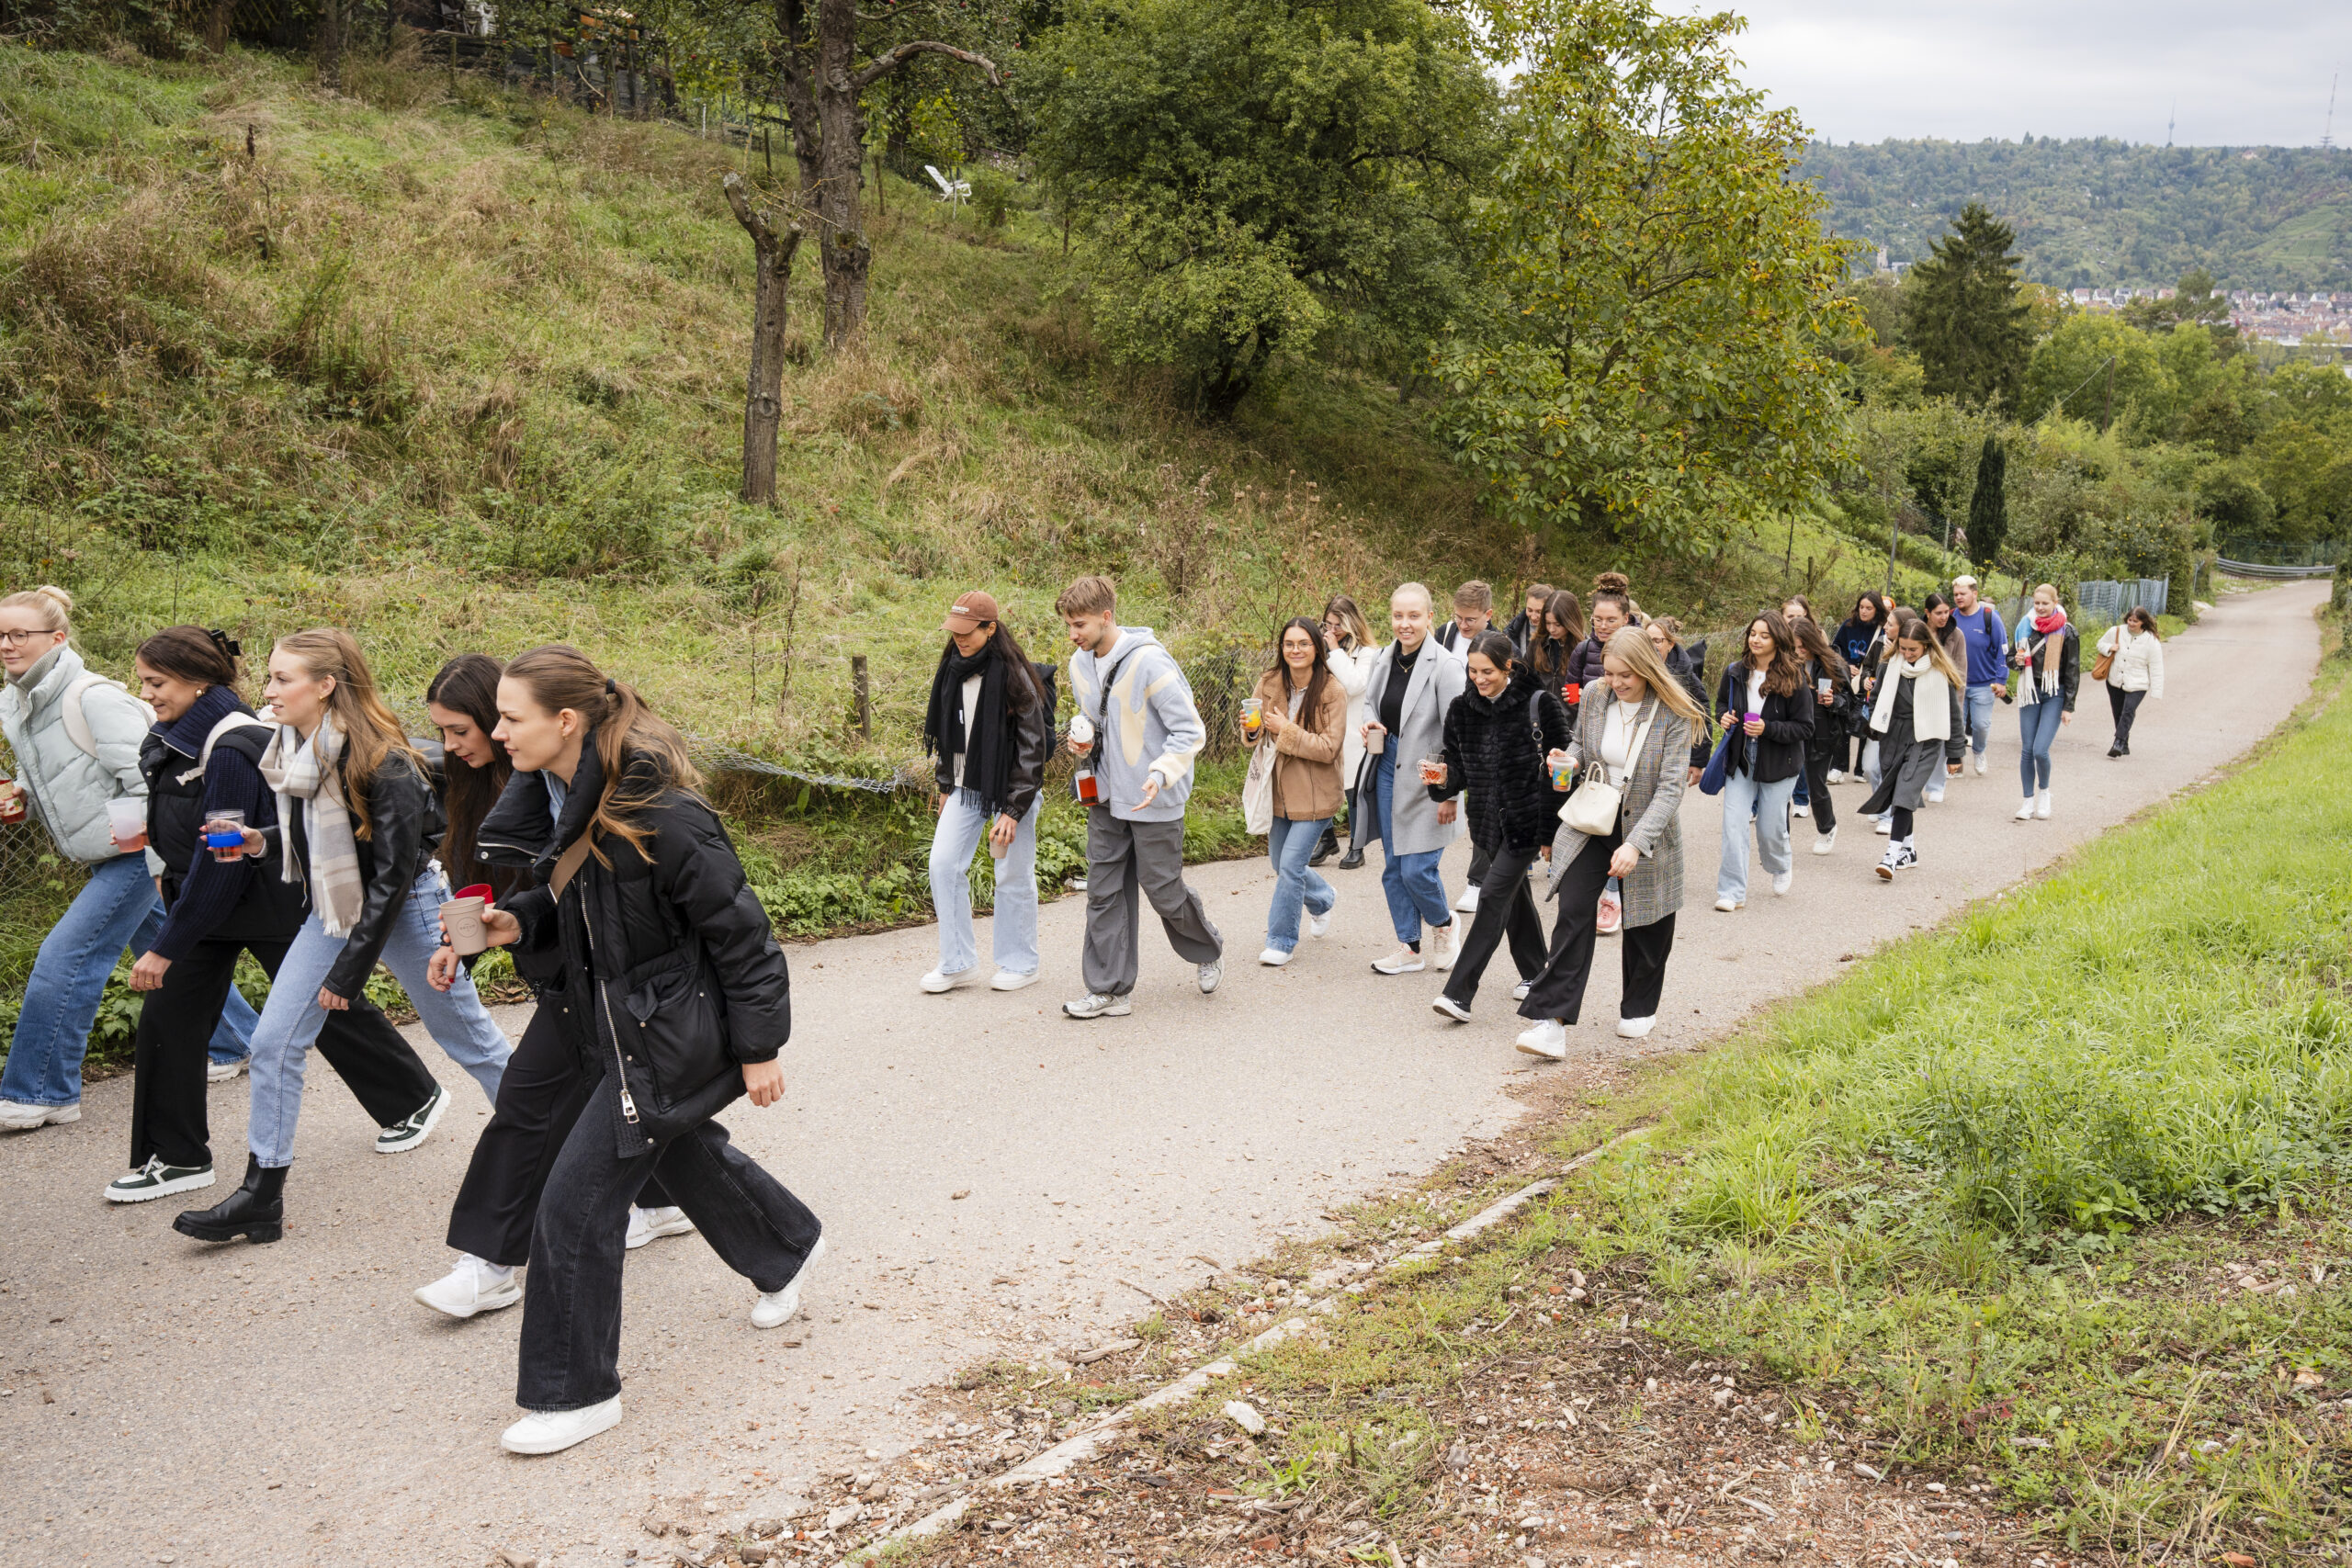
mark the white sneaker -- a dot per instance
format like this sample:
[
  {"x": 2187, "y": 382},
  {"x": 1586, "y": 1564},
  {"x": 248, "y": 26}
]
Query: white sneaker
[
  {"x": 651, "y": 1224},
  {"x": 1008, "y": 980},
  {"x": 937, "y": 983},
  {"x": 1980, "y": 764},
  {"x": 18, "y": 1116},
  {"x": 404, "y": 1135},
  {"x": 1446, "y": 941},
  {"x": 1884, "y": 827},
  {"x": 1635, "y": 1028},
  {"x": 1273, "y": 958},
  {"x": 222, "y": 1072},
  {"x": 1548, "y": 1040},
  {"x": 1933, "y": 796},
  {"x": 1725, "y": 904},
  {"x": 1094, "y": 1004},
  {"x": 1801, "y": 810},
  {"x": 472, "y": 1287},
  {"x": 1320, "y": 925},
  {"x": 1468, "y": 902},
  {"x": 156, "y": 1179},
  {"x": 2042, "y": 806},
  {"x": 775, "y": 1308},
  {"x": 1836, "y": 776},
  {"x": 1897, "y": 857},
  {"x": 1404, "y": 961},
  {"x": 2025, "y": 812},
  {"x": 1781, "y": 881},
  {"x": 1446, "y": 1007},
  {"x": 1826, "y": 842},
  {"x": 1519, "y": 992},
  {"x": 1212, "y": 973},
  {"x": 552, "y": 1431}
]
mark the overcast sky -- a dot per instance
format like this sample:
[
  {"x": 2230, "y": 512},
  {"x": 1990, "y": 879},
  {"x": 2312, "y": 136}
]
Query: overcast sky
[{"x": 1964, "y": 70}]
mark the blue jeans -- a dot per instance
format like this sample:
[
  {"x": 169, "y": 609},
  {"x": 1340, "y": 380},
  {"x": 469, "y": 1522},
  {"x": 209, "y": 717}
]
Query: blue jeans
[
  {"x": 1415, "y": 892},
  {"x": 1297, "y": 885},
  {"x": 1768, "y": 803},
  {"x": 963, "y": 823},
  {"x": 291, "y": 1020},
  {"x": 1979, "y": 709},
  {"x": 118, "y": 908},
  {"x": 2038, "y": 727}
]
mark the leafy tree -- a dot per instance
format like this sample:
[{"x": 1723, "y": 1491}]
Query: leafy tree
[
  {"x": 1658, "y": 363},
  {"x": 2069, "y": 373},
  {"x": 1245, "y": 175},
  {"x": 1988, "y": 505},
  {"x": 1962, "y": 314}
]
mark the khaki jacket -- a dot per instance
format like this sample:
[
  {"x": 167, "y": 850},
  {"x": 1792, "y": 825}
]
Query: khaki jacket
[{"x": 1306, "y": 754}]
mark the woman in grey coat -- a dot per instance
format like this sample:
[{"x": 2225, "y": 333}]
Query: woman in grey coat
[
  {"x": 1413, "y": 681},
  {"x": 1636, "y": 721}
]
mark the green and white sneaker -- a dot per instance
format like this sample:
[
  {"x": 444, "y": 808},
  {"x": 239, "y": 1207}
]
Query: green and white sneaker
[
  {"x": 156, "y": 1179},
  {"x": 404, "y": 1135}
]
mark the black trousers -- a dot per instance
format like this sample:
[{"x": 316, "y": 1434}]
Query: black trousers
[
  {"x": 2125, "y": 705},
  {"x": 539, "y": 1100},
  {"x": 1817, "y": 785},
  {"x": 1506, "y": 905},
  {"x": 572, "y": 1298},
  {"x": 1558, "y": 990},
  {"x": 169, "y": 1117}
]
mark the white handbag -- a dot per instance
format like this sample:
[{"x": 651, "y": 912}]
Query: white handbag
[
  {"x": 1258, "y": 791},
  {"x": 1593, "y": 809}
]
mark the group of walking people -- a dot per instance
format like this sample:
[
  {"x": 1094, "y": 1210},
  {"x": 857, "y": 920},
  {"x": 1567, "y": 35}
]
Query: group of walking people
[{"x": 318, "y": 840}]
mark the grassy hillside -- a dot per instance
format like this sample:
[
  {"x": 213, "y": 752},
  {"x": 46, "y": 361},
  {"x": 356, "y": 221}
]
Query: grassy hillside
[
  {"x": 2093, "y": 212},
  {"x": 460, "y": 368}
]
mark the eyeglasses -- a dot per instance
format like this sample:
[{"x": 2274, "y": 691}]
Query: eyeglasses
[{"x": 17, "y": 639}]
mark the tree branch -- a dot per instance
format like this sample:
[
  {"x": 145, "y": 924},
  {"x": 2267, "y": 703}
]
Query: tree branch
[{"x": 900, "y": 54}]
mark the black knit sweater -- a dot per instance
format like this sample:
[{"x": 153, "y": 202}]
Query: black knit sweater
[{"x": 1491, "y": 748}]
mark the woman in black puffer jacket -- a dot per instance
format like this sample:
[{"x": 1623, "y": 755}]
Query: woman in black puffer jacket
[
  {"x": 1497, "y": 734},
  {"x": 675, "y": 1000}
]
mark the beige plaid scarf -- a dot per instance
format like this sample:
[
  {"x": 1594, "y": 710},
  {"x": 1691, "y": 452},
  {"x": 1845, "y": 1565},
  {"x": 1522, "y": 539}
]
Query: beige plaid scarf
[{"x": 307, "y": 774}]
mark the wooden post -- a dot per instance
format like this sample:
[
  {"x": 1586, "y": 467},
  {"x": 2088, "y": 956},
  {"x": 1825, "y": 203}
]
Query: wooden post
[
  {"x": 763, "y": 392},
  {"x": 860, "y": 696}
]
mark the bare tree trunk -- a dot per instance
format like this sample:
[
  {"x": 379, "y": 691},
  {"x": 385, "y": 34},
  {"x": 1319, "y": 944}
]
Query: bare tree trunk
[
  {"x": 331, "y": 46},
  {"x": 763, "y": 394}
]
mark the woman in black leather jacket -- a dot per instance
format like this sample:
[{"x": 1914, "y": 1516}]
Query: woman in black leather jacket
[
  {"x": 674, "y": 998},
  {"x": 357, "y": 825},
  {"x": 1767, "y": 711},
  {"x": 991, "y": 727}
]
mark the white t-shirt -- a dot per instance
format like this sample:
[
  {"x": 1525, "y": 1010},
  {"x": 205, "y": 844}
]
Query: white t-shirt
[
  {"x": 971, "y": 700},
  {"x": 1617, "y": 741},
  {"x": 1297, "y": 700},
  {"x": 1754, "y": 692}
]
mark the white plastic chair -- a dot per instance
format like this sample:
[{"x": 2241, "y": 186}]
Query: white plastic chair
[{"x": 957, "y": 192}]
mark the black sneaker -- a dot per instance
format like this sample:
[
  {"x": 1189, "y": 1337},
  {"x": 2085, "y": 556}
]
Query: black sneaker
[
  {"x": 156, "y": 1179},
  {"x": 404, "y": 1135}
]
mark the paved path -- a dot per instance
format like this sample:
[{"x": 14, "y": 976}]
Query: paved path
[{"x": 291, "y": 1403}]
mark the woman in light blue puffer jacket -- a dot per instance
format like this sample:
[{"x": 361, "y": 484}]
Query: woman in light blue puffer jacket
[{"x": 77, "y": 736}]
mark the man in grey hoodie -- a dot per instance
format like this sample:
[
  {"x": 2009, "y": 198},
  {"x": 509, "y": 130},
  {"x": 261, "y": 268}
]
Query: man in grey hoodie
[{"x": 1140, "y": 735}]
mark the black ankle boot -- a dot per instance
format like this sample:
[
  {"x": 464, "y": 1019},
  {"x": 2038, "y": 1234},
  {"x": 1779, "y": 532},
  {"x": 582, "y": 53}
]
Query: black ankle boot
[
  {"x": 1351, "y": 859},
  {"x": 1325, "y": 848},
  {"x": 256, "y": 1211}
]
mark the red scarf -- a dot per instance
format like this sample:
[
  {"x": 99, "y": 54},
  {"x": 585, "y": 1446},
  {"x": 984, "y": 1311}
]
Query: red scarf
[{"x": 2045, "y": 624}]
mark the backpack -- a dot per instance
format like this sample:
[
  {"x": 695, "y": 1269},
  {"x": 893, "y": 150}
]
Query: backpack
[{"x": 77, "y": 717}]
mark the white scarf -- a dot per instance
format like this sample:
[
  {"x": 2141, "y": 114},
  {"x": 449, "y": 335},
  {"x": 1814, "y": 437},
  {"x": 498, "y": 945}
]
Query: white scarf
[
  {"x": 1930, "y": 699},
  {"x": 307, "y": 774}
]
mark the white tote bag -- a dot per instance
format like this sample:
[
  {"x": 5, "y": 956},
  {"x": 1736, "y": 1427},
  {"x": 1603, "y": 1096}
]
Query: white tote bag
[
  {"x": 1258, "y": 791},
  {"x": 1594, "y": 809}
]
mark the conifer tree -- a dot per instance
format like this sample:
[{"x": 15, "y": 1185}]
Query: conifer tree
[{"x": 1962, "y": 314}]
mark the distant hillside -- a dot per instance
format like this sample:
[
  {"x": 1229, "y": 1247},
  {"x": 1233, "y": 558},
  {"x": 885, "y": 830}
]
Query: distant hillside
[{"x": 2095, "y": 213}]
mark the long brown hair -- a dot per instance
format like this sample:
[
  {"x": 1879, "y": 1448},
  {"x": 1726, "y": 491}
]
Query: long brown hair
[
  {"x": 1783, "y": 675},
  {"x": 1815, "y": 644},
  {"x": 1632, "y": 648},
  {"x": 371, "y": 736},
  {"x": 626, "y": 730},
  {"x": 1563, "y": 607},
  {"x": 1359, "y": 629},
  {"x": 1316, "y": 673},
  {"x": 468, "y": 684},
  {"x": 1914, "y": 629}
]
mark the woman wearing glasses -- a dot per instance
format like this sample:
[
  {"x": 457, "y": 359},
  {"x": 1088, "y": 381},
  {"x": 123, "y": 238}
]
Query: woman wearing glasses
[{"x": 76, "y": 737}]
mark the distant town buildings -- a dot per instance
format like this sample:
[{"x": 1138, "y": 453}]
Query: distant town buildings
[{"x": 2287, "y": 318}]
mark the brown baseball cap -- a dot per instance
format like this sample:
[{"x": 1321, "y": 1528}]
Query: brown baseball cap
[{"x": 969, "y": 612}]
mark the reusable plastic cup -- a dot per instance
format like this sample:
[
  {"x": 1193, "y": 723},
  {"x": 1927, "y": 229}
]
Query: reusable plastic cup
[
  {"x": 224, "y": 835},
  {"x": 1823, "y": 684},
  {"x": 461, "y": 918},
  {"x": 126, "y": 823},
  {"x": 1252, "y": 711},
  {"x": 1375, "y": 741},
  {"x": 1432, "y": 769},
  {"x": 12, "y": 803},
  {"x": 1561, "y": 774},
  {"x": 1082, "y": 732},
  {"x": 996, "y": 851}
]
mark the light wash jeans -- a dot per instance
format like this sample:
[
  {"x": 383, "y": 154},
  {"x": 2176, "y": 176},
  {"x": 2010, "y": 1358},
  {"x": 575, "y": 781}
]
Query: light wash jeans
[
  {"x": 1979, "y": 709},
  {"x": 2038, "y": 727},
  {"x": 118, "y": 908},
  {"x": 963, "y": 824},
  {"x": 1416, "y": 891},
  {"x": 292, "y": 1018},
  {"x": 1769, "y": 805},
  {"x": 1290, "y": 845}
]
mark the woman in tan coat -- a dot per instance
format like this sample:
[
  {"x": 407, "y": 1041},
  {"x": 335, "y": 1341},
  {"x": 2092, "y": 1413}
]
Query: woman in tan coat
[{"x": 1303, "y": 714}]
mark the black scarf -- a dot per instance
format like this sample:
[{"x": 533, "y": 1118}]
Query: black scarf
[{"x": 988, "y": 749}]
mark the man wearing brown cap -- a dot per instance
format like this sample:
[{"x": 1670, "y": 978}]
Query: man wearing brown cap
[{"x": 990, "y": 725}]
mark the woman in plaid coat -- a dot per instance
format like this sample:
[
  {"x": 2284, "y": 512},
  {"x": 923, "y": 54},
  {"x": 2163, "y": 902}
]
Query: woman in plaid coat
[{"x": 1636, "y": 721}]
